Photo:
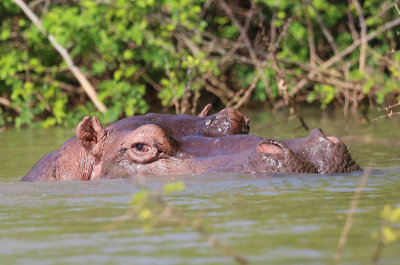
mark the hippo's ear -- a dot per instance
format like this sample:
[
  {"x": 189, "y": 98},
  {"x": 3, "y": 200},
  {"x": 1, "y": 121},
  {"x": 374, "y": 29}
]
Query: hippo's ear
[
  {"x": 91, "y": 135},
  {"x": 204, "y": 112}
]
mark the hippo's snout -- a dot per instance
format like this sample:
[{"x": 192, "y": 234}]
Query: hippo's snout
[
  {"x": 275, "y": 156},
  {"x": 317, "y": 135},
  {"x": 328, "y": 153}
]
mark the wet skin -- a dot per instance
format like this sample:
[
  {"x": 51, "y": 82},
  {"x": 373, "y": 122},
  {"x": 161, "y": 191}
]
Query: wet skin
[
  {"x": 328, "y": 154},
  {"x": 226, "y": 122},
  {"x": 162, "y": 144}
]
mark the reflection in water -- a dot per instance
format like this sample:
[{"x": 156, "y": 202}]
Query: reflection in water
[{"x": 278, "y": 219}]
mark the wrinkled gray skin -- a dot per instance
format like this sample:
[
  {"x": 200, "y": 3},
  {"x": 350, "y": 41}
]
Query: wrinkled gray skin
[{"x": 162, "y": 144}]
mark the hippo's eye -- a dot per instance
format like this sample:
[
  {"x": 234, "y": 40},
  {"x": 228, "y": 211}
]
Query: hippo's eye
[
  {"x": 142, "y": 153},
  {"x": 141, "y": 147}
]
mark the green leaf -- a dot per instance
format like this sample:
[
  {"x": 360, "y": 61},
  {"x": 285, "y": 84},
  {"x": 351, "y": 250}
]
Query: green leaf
[
  {"x": 140, "y": 197},
  {"x": 98, "y": 67},
  {"x": 173, "y": 187},
  {"x": 395, "y": 215},
  {"x": 389, "y": 235}
]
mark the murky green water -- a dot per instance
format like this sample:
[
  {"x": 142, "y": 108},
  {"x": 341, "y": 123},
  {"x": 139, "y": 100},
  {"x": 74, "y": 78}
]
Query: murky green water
[{"x": 295, "y": 219}]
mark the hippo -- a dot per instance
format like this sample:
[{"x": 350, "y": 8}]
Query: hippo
[{"x": 164, "y": 144}]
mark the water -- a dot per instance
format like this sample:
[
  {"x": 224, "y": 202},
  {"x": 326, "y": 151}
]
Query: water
[{"x": 292, "y": 219}]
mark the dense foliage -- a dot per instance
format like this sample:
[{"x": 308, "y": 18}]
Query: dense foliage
[{"x": 170, "y": 52}]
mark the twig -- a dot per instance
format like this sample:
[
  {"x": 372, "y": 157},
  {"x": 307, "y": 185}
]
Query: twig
[
  {"x": 351, "y": 24},
  {"x": 311, "y": 44},
  {"x": 187, "y": 93},
  {"x": 286, "y": 26},
  {"x": 208, "y": 76},
  {"x": 191, "y": 46},
  {"x": 151, "y": 82},
  {"x": 384, "y": 8},
  {"x": 347, "y": 51},
  {"x": 241, "y": 36},
  {"x": 392, "y": 106},
  {"x": 397, "y": 8},
  {"x": 205, "y": 7},
  {"x": 249, "y": 90},
  {"x": 45, "y": 8},
  {"x": 86, "y": 85},
  {"x": 273, "y": 22},
  {"x": 6, "y": 103},
  {"x": 363, "y": 26},
  {"x": 350, "y": 216},
  {"x": 195, "y": 100},
  {"x": 246, "y": 39},
  {"x": 34, "y": 3},
  {"x": 330, "y": 39},
  {"x": 210, "y": 88},
  {"x": 356, "y": 43},
  {"x": 171, "y": 87},
  {"x": 387, "y": 115}
]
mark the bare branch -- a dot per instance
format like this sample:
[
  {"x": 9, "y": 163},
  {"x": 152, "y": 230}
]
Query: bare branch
[
  {"x": 397, "y": 8},
  {"x": 311, "y": 43},
  {"x": 364, "y": 42},
  {"x": 151, "y": 82},
  {"x": 244, "y": 36},
  {"x": 249, "y": 90},
  {"x": 351, "y": 24},
  {"x": 347, "y": 51},
  {"x": 330, "y": 39},
  {"x": 358, "y": 42},
  {"x": 174, "y": 100},
  {"x": 6, "y": 103},
  {"x": 86, "y": 85},
  {"x": 391, "y": 113}
]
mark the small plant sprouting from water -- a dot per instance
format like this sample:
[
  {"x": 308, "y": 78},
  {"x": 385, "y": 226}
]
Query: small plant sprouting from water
[
  {"x": 151, "y": 209},
  {"x": 390, "y": 230}
]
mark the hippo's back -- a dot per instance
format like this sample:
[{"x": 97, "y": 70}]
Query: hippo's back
[{"x": 44, "y": 170}]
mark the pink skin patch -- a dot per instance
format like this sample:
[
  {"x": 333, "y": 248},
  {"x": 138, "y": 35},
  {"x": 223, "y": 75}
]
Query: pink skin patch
[
  {"x": 268, "y": 148},
  {"x": 333, "y": 139}
]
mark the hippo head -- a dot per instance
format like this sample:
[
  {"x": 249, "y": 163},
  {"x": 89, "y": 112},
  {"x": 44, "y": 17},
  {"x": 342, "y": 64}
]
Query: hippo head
[
  {"x": 150, "y": 150},
  {"x": 164, "y": 144}
]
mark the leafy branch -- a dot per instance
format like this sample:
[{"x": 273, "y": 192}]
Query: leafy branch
[{"x": 86, "y": 85}]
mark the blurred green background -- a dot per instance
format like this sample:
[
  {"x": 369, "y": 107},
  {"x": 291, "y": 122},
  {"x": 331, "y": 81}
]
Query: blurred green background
[{"x": 177, "y": 55}]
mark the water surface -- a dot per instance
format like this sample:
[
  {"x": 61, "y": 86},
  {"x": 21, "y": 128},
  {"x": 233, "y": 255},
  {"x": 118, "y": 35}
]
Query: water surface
[{"x": 283, "y": 219}]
